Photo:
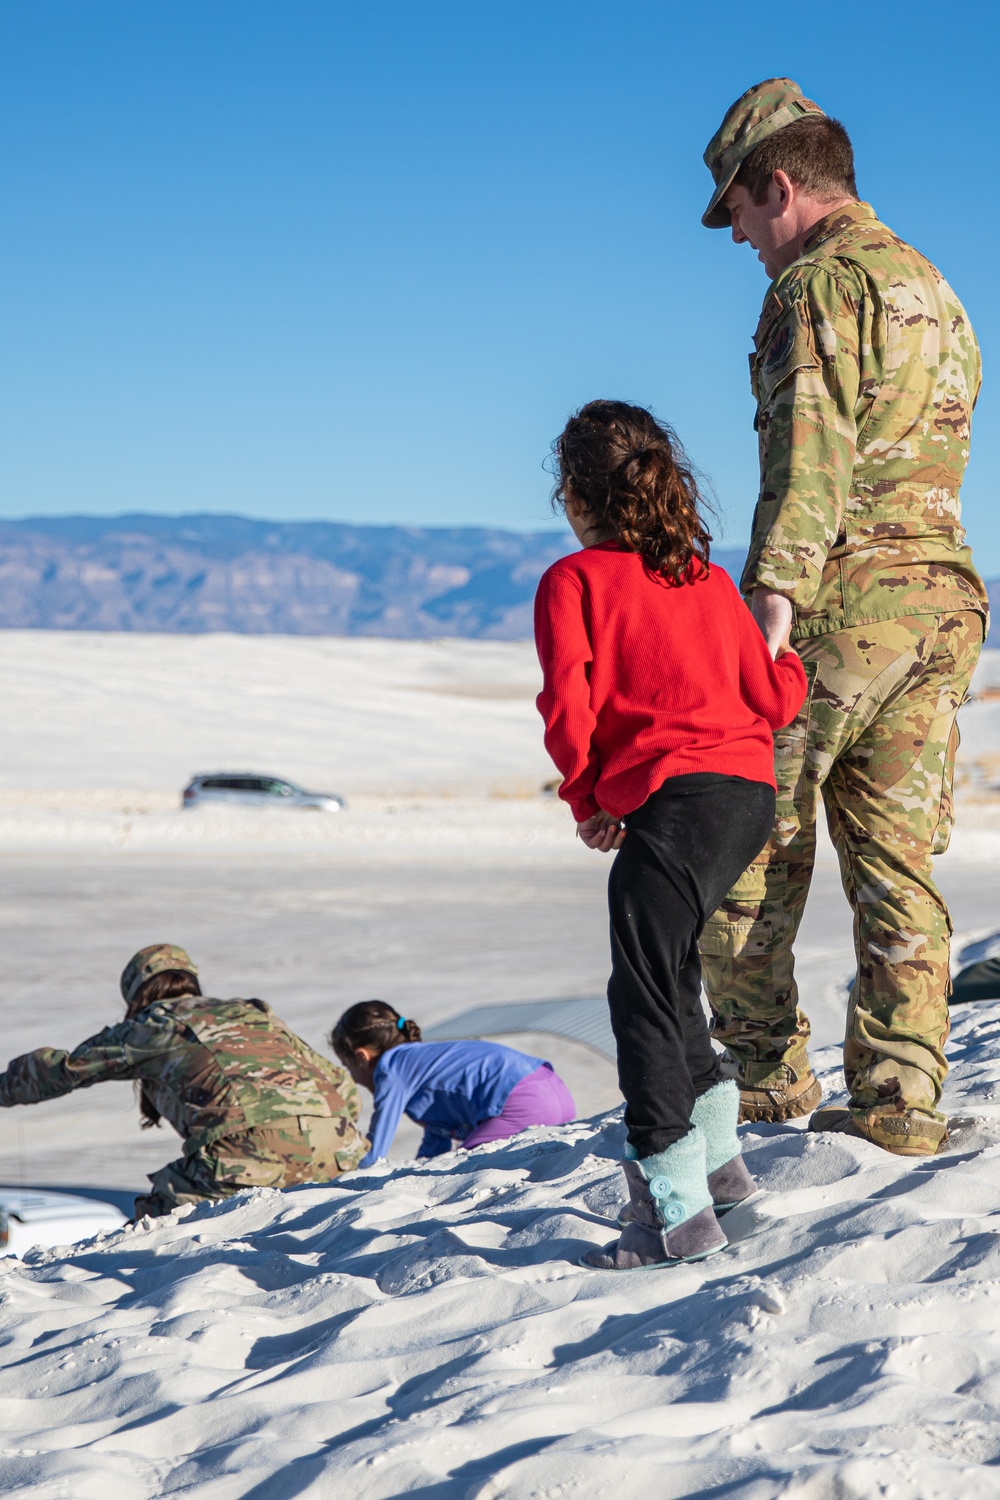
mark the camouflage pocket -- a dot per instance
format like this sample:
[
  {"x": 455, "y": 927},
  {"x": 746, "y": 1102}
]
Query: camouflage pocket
[
  {"x": 747, "y": 973},
  {"x": 946, "y": 806},
  {"x": 790, "y": 746},
  {"x": 335, "y": 1146},
  {"x": 748, "y": 942},
  {"x": 348, "y": 1160},
  {"x": 743, "y": 944},
  {"x": 725, "y": 942}
]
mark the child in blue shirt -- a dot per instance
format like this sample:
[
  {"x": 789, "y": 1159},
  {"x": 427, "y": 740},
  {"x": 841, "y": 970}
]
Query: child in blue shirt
[{"x": 471, "y": 1092}]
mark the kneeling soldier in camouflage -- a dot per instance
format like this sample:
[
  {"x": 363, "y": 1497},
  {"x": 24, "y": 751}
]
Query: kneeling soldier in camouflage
[{"x": 255, "y": 1106}]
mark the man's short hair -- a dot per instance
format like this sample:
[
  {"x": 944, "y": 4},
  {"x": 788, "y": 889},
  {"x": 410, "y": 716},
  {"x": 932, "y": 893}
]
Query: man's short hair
[{"x": 815, "y": 152}]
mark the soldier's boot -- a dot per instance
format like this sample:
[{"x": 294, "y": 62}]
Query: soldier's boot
[
  {"x": 906, "y": 1132},
  {"x": 780, "y": 1099},
  {"x": 187, "y": 1180},
  {"x": 893, "y": 1103},
  {"x": 672, "y": 1215},
  {"x": 775, "y": 1079}
]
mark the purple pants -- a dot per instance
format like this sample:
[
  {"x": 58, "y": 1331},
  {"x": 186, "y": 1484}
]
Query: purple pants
[{"x": 540, "y": 1099}]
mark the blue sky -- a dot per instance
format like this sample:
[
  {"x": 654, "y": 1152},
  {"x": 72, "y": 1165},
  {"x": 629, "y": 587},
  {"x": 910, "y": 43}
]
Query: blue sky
[{"x": 317, "y": 260}]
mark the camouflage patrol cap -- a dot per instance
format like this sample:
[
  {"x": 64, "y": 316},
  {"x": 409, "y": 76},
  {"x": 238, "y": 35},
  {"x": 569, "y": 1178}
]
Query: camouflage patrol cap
[
  {"x": 758, "y": 113},
  {"x": 160, "y": 958}
]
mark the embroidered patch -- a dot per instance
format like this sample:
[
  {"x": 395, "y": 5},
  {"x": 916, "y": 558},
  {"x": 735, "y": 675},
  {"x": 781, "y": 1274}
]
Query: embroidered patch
[
  {"x": 779, "y": 349},
  {"x": 789, "y": 346}
]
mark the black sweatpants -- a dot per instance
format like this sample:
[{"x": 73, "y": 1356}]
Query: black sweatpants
[{"x": 684, "y": 848}]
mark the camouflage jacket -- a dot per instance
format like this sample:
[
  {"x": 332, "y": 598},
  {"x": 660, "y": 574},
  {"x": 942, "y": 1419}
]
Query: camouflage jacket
[
  {"x": 213, "y": 1068},
  {"x": 865, "y": 370}
]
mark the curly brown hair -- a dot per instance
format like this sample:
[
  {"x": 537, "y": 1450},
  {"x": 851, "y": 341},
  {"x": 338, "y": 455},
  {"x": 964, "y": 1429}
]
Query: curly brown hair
[
  {"x": 374, "y": 1024},
  {"x": 631, "y": 474}
]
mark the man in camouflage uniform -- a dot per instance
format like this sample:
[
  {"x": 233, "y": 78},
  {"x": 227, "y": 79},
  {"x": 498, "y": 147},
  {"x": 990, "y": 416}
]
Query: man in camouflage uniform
[
  {"x": 865, "y": 370},
  {"x": 255, "y": 1106}
]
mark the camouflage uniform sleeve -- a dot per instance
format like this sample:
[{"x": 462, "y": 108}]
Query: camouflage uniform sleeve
[
  {"x": 806, "y": 373},
  {"x": 50, "y": 1072},
  {"x": 342, "y": 1083},
  {"x": 348, "y": 1091}
]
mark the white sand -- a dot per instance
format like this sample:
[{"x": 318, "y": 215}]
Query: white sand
[
  {"x": 427, "y": 1329},
  {"x": 92, "y": 712}
]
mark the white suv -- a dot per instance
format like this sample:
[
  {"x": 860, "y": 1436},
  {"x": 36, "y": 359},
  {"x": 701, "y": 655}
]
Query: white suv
[{"x": 245, "y": 789}]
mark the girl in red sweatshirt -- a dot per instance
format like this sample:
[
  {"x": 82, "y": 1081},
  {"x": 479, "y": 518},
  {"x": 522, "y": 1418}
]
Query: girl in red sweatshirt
[{"x": 659, "y": 701}]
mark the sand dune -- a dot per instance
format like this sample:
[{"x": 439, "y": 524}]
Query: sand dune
[
  {"x": 426, "y": 1329},
  {"x": 129, "y": 713}
]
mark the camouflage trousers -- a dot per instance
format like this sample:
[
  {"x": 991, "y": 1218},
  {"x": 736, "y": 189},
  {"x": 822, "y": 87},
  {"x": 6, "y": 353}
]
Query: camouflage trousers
[
  {"x": 302, "y": 1148},
  {"x": 877, "y": 737}
]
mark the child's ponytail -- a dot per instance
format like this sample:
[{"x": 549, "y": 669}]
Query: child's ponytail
[
  {"x": 631, "y": 474},
  {"x": 374, "y": 1024}
]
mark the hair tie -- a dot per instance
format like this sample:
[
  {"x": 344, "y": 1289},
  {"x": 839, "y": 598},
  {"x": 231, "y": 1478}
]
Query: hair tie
[{"x": 400, "y": 1023}]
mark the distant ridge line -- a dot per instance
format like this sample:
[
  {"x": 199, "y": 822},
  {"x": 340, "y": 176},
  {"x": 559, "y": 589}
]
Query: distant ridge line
[{"x": 203, "y": 572}]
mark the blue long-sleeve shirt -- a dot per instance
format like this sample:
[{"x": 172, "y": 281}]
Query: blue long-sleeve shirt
[{"x": 448, "y": 1087}]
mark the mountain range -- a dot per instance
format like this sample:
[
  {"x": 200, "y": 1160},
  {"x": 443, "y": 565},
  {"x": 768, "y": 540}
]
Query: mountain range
[{"x": 200, "y": 573}]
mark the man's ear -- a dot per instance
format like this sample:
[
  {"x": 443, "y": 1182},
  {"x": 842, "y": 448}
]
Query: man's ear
[{"x": 783, "y": 189}]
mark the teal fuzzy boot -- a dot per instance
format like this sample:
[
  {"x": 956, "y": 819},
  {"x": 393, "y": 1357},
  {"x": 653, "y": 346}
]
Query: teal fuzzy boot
[
  {"x": 717, "y": 1113},
  {"x": 671, "y": 1211},
  {"x": 729, "y": 1182}
]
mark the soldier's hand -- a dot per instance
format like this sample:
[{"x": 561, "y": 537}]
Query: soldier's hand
[{"x": 773, "y": 613}]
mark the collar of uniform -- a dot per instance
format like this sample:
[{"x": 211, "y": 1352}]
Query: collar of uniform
[{"x": 833, "y": 223}]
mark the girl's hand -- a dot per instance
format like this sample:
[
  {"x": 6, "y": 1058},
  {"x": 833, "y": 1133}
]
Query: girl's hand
[{"x": 601, "y": 832}]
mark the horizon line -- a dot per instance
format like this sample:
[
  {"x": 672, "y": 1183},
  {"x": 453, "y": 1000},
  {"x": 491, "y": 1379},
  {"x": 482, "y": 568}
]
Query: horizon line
[{"x": 233, "y": 515}]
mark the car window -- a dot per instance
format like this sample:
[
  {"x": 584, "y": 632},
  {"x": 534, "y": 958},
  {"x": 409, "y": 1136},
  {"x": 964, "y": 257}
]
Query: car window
[{"x": 266, "y": 785}]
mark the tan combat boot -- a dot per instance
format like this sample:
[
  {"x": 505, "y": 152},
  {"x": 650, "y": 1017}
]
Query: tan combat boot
[
  {"x": 784, "y": 1101},
  {"x": 780, "y": 1101},
  {"x": 773, "y": 1088},
  {"x": 904, "y": 1132}
]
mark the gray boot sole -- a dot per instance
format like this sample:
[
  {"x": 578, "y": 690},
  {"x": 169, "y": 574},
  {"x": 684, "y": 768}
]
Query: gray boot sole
[{"x": 654, "y": 1265}]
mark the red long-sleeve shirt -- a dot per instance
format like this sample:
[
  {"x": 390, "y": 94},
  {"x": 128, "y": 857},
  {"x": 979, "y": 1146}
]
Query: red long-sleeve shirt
[{"x": 644, "y": 680}]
